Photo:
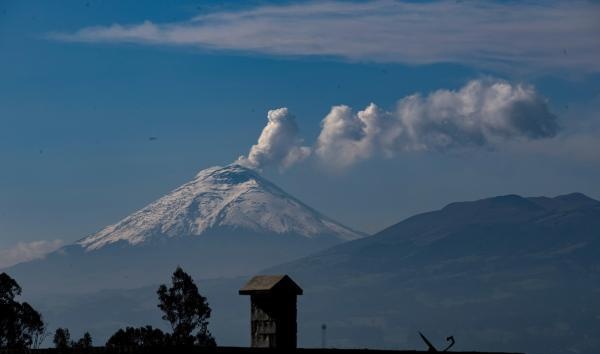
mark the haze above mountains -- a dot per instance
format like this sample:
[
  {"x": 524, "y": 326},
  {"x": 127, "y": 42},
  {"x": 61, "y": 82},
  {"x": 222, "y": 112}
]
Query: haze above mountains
[{"x": 504, "y": 273}]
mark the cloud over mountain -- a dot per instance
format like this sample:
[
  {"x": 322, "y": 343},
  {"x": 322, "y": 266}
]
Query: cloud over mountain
[
  {"x": 27, "y": 251},
  {"x": 501, "y": 35}
]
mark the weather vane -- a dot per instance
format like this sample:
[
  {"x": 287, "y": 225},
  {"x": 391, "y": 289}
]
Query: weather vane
[{"x": 431, "y": 347}]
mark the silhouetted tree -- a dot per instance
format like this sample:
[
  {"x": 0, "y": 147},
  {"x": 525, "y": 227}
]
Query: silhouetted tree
[
  {"x": 186, "y": 310},
  {"x": 138, "y": 337},
  {"x": 84, "y": 342},
  {"x": 20, "y": 325},
  {"x": 8, "y": 289},
  {"x": 62, "y": 338}
]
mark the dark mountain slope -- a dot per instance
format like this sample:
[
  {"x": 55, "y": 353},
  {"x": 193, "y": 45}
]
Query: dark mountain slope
[{"x": 504, "y": 273}]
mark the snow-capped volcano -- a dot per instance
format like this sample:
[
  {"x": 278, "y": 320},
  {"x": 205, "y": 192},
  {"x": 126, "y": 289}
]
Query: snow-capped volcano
[
  {"x": 232, "y": 197},
  {"x": 228, "y": 221}
]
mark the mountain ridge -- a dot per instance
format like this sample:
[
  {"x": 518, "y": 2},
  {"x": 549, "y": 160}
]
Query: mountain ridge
[{"x": 500, "y": 207}]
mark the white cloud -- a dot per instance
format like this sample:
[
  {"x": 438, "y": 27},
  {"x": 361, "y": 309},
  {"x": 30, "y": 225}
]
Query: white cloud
[
  {"x": 278, "y": 143},
  {"x": 26, "y": 251},
  {"x": 527, "y": 35},
  {"x": 482, "y": 113}
]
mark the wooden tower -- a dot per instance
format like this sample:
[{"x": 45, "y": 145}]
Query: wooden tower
[{"x": 273, "y": 310}]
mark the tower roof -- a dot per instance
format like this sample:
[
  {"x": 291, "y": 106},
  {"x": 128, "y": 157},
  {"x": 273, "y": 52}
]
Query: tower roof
[{"x": 266, "y": 284}]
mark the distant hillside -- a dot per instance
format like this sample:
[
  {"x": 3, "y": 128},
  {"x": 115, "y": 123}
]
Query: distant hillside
[{"x": 504, "y": 273}]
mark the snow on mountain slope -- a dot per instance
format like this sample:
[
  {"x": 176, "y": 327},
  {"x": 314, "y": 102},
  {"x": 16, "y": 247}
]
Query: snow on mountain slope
[{"x": 232, "y": 197}]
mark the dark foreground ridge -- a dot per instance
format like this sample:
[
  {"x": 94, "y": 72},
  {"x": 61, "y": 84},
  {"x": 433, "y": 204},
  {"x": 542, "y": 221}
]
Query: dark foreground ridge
[{"x": 222, "y": 350}]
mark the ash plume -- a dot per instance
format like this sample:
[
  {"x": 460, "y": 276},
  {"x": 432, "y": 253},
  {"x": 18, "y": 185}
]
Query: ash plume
[
  {"x": 278, "y": 144},
  {"x": 482, "y": 113}
]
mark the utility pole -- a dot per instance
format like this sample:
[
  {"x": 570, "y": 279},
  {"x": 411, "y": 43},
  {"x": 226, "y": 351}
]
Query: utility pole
[{"x": 323, "y": 335}]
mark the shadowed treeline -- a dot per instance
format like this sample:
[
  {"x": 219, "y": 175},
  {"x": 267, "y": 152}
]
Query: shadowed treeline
[{"x": 22, "y": 328}]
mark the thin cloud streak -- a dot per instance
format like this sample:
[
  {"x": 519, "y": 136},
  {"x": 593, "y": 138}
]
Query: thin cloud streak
[
  {"x": 505, "y": 36},
  {"x": 27, "y": 251}
]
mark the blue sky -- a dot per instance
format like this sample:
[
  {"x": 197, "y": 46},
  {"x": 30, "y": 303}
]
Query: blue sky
[{"x": 84, "y": 85}]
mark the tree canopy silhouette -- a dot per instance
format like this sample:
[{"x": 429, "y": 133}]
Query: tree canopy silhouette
[
  {"x": 186, "y": 310},
  {"x": 20, "y": 325},
  {"x": 83, "y": 342},
  {"x": 138, "y": 337},
  {"x": 62, "y": 338}
]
